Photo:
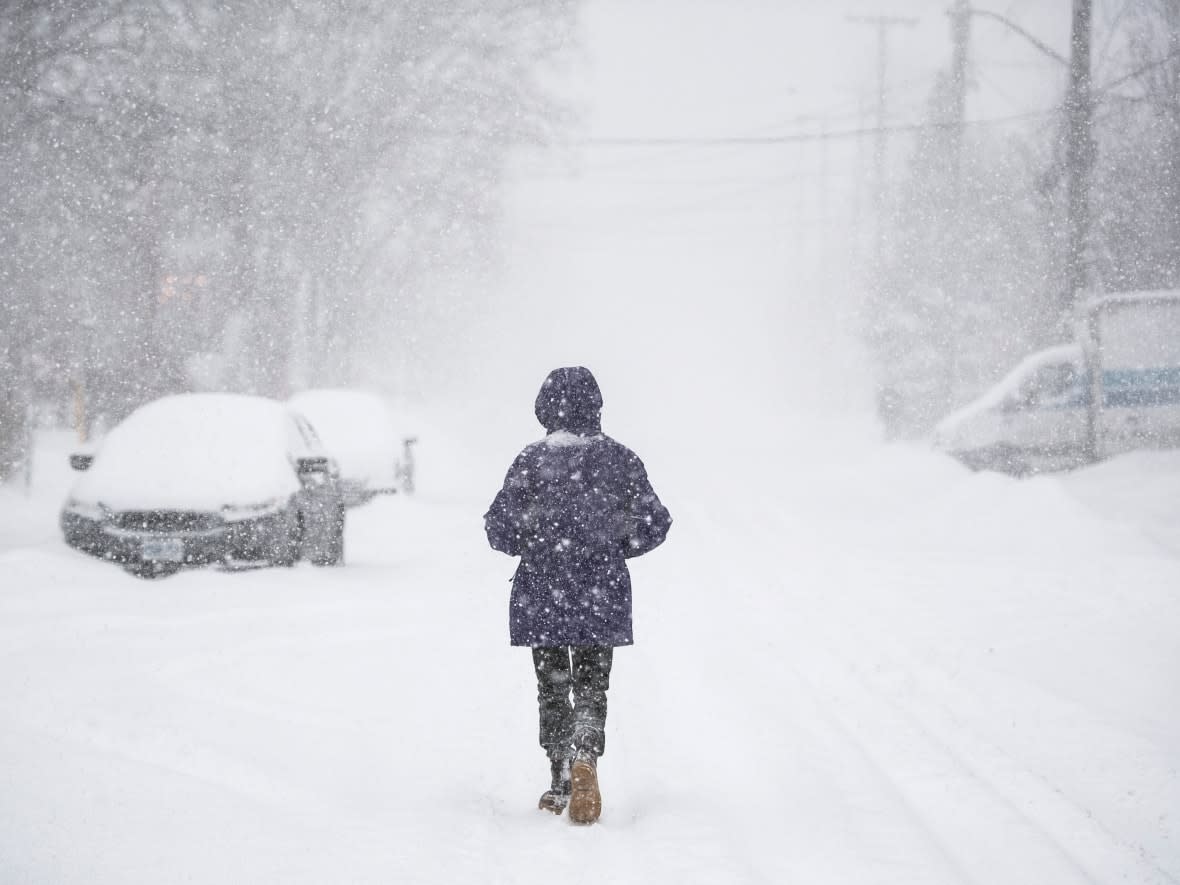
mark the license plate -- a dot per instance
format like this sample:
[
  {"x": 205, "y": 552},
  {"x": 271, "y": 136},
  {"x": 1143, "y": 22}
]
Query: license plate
[{"x": 163, "y": 549}]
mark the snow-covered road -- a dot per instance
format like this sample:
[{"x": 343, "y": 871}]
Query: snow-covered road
[{"x": 866, "y": 667}]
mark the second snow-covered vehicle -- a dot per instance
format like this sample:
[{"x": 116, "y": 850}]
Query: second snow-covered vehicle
[
  {"x": 360, "y": 430},
  {"x": 1116, "y": 390},
  {"x": 198, "y": 478}
]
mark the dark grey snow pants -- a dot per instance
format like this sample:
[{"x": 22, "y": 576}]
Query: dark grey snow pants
[{"x": 577, "y": 727}]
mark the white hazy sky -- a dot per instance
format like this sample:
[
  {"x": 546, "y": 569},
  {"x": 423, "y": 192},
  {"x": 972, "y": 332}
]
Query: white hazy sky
[
  {"x": 742, "y": 66},
  {"x": 722, "y": 277}
]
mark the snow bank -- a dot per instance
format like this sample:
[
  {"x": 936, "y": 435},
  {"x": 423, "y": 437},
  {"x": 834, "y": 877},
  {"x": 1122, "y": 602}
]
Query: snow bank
[{"x": 1139, "y": 489}]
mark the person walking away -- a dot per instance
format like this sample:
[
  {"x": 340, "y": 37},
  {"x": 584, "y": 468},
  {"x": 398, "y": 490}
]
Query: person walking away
[{"x": 574, "y": 507}]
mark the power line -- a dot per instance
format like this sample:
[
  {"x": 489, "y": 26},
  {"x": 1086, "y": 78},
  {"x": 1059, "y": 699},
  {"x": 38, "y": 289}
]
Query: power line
[
  {"x": 1040, "y": 44},
  {"x": 825, "y": 119},
  {"x": 881, "y": 24},
  {"x": 841, "y": 134},
  {"x": 1158, "y": 63},
  {"x": 795, "y": 137}
]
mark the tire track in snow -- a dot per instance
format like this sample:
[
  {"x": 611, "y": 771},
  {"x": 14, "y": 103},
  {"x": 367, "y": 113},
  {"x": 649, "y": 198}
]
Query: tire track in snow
[
  {"x": 966, "y": 753},
  {"x": 876, "y": 815},
  {"x": 829, "y": 829},
  {"x": 945, "y": 791},
  {"x": 1065, "y": 823},
  {"x": 671, "y": 798}
]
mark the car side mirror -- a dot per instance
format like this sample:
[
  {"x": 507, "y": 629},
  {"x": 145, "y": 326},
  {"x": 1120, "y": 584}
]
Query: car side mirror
[
  {"x": 81, "y": 460},
  {"x": 312, "y": 465}
]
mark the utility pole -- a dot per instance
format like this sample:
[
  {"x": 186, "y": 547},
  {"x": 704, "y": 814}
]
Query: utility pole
[
  {"x": 953, "y": 274},
  {"x": 960, "y": 15},
  {"x": 823, "y": 176},
  {"x": 882, "y": 24},
  {"x": 1079, "y": 154},
  {"x": 1079, "y": 140}
]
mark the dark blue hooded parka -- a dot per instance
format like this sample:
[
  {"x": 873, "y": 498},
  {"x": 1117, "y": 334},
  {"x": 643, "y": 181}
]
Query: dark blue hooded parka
[{"x": 574, "y": 507}]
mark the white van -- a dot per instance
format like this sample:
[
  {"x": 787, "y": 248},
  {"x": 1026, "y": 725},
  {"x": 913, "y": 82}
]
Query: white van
[{"x": 1117, "y": 390}]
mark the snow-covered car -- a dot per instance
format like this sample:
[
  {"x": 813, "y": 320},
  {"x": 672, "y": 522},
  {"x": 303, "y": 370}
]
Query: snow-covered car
[
  {"x": 360, "y": 430},
  {"x": 199, "y": 478},
  {"x": 1035, "y": 419}
]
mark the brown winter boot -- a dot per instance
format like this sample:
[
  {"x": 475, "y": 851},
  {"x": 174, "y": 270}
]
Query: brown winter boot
[
  {"x": 557, "y": 796},
  {"x": 585, "y": 800}
]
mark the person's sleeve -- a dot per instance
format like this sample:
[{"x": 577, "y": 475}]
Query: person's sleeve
[
  {"x": 506, "y": 521},
  {"x": 648, "y": 519}
]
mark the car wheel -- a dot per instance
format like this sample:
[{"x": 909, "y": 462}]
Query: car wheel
[
  {"x": 151, "y": 570},
  {"x": 287, "y": 547},
  {"x": 330, "y": 550}
]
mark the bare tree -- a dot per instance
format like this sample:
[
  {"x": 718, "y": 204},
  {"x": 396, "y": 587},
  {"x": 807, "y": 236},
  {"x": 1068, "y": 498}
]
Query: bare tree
[{"x": 244, "y": 196}]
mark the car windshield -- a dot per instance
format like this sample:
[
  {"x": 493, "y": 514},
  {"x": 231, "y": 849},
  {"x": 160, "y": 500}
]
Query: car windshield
[
  {"x": 193, "y": 452},
  {"x": 1051, "y": 382}
]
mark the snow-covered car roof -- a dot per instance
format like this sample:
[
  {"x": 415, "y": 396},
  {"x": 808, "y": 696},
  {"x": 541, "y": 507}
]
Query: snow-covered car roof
[
  {"x": 195, "y": 451},
  {"x": 1008, "y": 385},
  {"x": 357, "y": 428}
]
